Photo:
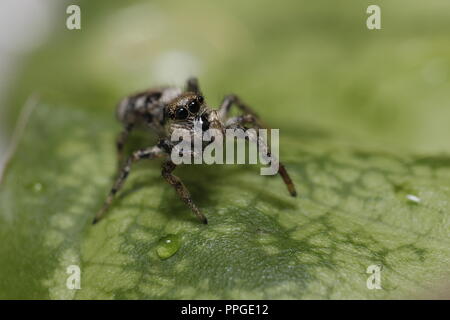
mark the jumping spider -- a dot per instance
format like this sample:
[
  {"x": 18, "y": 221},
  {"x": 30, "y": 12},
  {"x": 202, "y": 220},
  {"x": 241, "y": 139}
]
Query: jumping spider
[{"x": 164, "y": 110}]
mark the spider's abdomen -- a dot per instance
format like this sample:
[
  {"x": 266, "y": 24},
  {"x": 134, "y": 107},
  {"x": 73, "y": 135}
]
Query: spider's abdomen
[{"x": 145, "y": 107}]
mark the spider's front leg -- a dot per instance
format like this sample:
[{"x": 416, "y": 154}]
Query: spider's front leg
[
  {"x": 181, "y": 189},
  {"x": 149, "y": 153},
  {"x": 237, "y": 123},
  {"x": 231, "y": 100}
]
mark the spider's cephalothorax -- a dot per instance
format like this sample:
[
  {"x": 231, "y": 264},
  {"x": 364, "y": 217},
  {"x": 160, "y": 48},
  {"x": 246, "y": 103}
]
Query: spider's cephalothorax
[{"x": 167, "y": 109}]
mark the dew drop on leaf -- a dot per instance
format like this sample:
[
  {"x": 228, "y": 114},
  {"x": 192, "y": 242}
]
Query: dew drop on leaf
[
  {"x": 35, "y": 187},
  {"x": 168, "y": 246},
  {"x": 406, "y": 193},
  {"x": 413, "y": 199}
]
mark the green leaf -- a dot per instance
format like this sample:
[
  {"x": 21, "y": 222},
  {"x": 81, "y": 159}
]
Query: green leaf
[{"x": 352, "y": 211}]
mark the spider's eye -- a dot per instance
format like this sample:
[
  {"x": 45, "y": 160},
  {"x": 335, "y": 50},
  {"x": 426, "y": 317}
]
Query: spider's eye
[
  {"x": 181, "y": 114},
  {"x": 194, "y": 106}
]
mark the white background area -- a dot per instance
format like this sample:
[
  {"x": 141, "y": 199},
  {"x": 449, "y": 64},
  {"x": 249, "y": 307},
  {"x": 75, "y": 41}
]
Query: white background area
[{"x": 24, "y": 24}]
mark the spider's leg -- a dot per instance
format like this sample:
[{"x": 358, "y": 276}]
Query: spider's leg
[
  {"x": 231, "y": 100},
  {"x": 120, "y": 143},
  {"x": 181, "y": 189},
  {"x": 242, "y": 120},
  {"x": 236, "y": 123},
  {"x": 287, "y": 179},
  {"x": 193, "y": 86},
  {"x": 149, "y": 153}
]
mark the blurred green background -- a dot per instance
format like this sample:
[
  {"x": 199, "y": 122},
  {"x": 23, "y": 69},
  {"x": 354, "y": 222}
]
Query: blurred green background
[{"x": 304, "y": 65}]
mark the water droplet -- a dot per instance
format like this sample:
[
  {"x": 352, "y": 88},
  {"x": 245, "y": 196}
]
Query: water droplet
[
  {"x": 405, "y": 192},
  {"x": 412, "y": 198},
  {"x": 36, "y": 187},
  {"x": 168, "y": 246}
]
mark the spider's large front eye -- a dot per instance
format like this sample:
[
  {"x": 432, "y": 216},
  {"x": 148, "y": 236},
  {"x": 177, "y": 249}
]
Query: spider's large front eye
[
  {"x": 194, "y": 106},
  {"x": 181, "y": 114}
]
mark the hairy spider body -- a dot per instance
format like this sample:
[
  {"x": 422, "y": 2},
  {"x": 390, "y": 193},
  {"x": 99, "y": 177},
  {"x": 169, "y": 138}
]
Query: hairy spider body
[
  {"x": 165, "y": 110},
  {"x": 147, "y": 108}
]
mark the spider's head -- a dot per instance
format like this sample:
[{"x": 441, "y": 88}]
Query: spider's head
[
  {"x": 188, "y": 110},
  {"x": 185, "y": 108}
]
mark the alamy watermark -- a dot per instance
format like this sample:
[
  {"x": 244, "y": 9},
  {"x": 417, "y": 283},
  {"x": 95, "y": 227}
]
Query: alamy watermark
[
  {"x": 214, "y": 146},
  {"x": 374, "y": 280},
  {"x": 373, "y": 22},
  {"x": 73, "y": 22},
  {"x": 73, "y": 281}
]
